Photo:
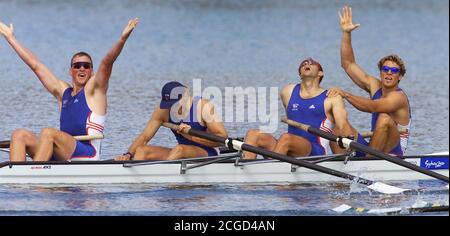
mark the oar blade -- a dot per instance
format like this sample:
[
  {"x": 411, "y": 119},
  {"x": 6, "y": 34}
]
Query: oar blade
[
  {"x": 342, "y": 208},
  {"x": 387, "y": 189}
]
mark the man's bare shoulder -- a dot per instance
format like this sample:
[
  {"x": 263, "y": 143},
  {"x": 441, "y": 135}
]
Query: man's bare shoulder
[
  {"x": 398, "y": 95},
  {"x": 287, "y": 90},
  {"x": 333, "y": 102}
]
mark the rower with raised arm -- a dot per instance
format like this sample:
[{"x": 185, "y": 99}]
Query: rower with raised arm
[
  {"x": 388, "y": 103},
  {"x": 306, "y": 102},
  {"x": 82, "y": 103},
  {"x": 177, "y": 106}
]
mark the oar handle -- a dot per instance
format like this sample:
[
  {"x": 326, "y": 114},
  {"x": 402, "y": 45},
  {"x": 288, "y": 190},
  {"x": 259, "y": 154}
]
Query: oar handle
[
  {"x": 170, "y": 125},
  {"x": 295, "y": 124},
  {"x": 196, "y": 133},
  {"x": 367, "y": 134},
  {"x": 310, "y": 129},
  {"x": 89, "y": 137}
]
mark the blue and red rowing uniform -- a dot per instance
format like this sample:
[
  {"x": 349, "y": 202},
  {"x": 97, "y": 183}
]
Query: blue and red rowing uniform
[
  {"x": 311, "y": 112},
  {"x": 400, "y": 149},
  {"x": 193, "y": 122},
  {"x": 78, "y": 119}
]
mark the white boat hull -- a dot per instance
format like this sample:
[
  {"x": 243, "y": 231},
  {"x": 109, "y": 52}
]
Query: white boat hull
[{"x": 273, "y": 172}]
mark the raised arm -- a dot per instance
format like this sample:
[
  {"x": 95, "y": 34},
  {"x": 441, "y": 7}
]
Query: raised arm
[
  {"x": 348, "y": 62},
  {"x": 48, "y": 79},
  {"x": 104, "y": 70}
]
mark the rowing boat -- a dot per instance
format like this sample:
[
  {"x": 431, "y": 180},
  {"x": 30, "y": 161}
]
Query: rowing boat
[{"x": 225, "y": 168}]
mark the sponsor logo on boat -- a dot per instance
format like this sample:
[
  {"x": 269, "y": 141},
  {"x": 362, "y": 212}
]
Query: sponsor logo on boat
[
  {"x": 434, "y": 163},
  {"x": 46, "y": 167}
]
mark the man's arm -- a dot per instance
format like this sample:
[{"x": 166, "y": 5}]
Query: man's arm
[
  {"x": 48, "y": 79},
  {"x": 388, "y": 104},
  {"x": 158, "y": 117},
  {"x": 213, "y": 124},
  {"x": 340, "y": 115},
  {"x": 348, "y": 61},
  {"x": 103, "y": 74}
]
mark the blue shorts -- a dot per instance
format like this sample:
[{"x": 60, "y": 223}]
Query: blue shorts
[
  {"x": 84, "y": 150},
  {"x": 397, "y": 150},
  {"x": 211, "y": 151},
  {"x": 316, "y": 150}
]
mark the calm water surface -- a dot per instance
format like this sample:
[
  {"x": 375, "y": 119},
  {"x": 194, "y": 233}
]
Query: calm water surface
[
  {"x": 147, "y": 199},
  {"x": 225, "y": 43}
]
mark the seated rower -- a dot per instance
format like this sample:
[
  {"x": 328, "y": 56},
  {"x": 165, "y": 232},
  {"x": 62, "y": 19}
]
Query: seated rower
[
  {"x": 178, "y": 107},
  {"x": 82, "y": 104},
  {"x": 388, "y": 103},
  {"x": 306, "y": 103}
]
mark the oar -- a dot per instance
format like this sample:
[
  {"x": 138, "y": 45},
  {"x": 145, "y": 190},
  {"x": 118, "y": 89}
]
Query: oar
[
  {"x": 367, "y": 134},
  {"x": 6, "y": 143},
  {"x": 89, "y": 137},
  {"x": 239, "y": 145},
  {"x": 348, "y": 143}
]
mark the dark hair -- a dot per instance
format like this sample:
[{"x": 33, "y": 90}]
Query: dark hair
[
  {"x": 312, "y": 62},
  {"x": 79, "y": 54},
  {"x": 394, "y": 58}
]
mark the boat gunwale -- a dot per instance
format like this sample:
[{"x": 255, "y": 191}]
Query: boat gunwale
[{"x": 200, "y": 160}]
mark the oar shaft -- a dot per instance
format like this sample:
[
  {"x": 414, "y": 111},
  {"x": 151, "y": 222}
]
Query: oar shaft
[
  {"x": 4, "y": 144},
  {"x": 360, "y": 147},
  {"x": 242, "y": 146}
]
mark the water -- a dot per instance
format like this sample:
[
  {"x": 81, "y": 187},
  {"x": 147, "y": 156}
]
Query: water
[
  {"x": 228, "y": 200},
  {"x": 224, "y": 43}
]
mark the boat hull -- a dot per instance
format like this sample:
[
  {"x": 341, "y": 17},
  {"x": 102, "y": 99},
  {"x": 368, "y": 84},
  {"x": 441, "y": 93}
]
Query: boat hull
[{"x": 227, "y": 172}]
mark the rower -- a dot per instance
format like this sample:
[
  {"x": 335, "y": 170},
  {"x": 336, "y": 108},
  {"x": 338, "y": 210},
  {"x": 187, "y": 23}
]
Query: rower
[
  {"x": 82, "y": 104},
  {"x": 306, "y": 102},
  {"x": 388, "y": 103},
  {"x": 177, "y": 106}
]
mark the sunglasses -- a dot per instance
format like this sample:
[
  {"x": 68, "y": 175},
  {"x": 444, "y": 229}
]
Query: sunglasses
[
  {"x": 394, "y": 70},
  {"x": 85, "y": 65}
]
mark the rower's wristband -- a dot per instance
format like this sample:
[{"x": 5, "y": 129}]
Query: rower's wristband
[{"x": 128, "y": 154}]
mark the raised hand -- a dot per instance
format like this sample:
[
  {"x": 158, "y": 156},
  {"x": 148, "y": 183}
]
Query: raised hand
[
  {"x": 346, "y": 20},
  {"x": 130, "y": 27},
  {"x": 6, "y": 31}
]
